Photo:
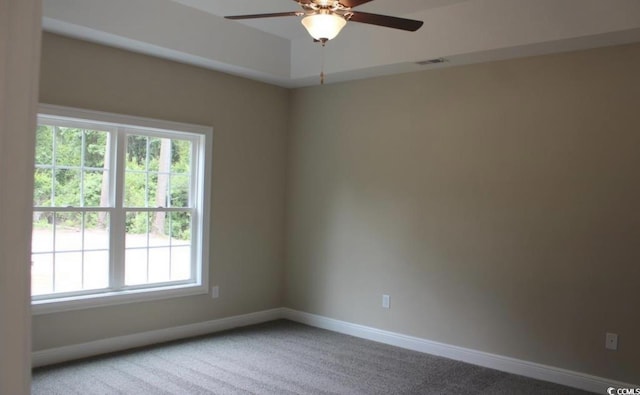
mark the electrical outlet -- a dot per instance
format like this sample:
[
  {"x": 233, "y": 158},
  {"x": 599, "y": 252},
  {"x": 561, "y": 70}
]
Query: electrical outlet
[
  {"x": 386, "y": 301},
  {"x": 215, "y": 292},
  {"x": 611, "y": 341}
]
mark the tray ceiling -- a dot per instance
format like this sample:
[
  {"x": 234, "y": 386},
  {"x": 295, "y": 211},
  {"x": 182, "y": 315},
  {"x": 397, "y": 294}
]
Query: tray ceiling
[{"x": 279, "y": 50}]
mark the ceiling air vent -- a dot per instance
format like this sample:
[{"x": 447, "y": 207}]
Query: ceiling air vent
[{"x": 431, "y": 61}]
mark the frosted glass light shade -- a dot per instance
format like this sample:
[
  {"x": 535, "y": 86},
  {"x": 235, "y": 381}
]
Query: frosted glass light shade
[{"x": 323, "y": 26}]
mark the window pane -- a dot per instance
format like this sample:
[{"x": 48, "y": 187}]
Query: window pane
[
  {"x": 135, "y": 189},
  {"x": 159, "y": 235},
  {"x": 96, "y": 269},
  {"x": 157, "y": 151},
  {"x": 44, "y": 145},
  {"x": 136, "y": 153},
  {"x": 135, "y": 266},
  {"x": 155, "y": 198},
  {"x": 67, "y": 188},
  {"x": 137, "y": 225},
  {"x": 96, "y": 231},
  {"x": 68, "y": 231},
  {"x": 41, "y": 274},
  {"x": 68, "y": 147},
  {"x": 180, "y": 191},
  {"x": 180, "y": 156},
  {"x": 43, "y": 181},
  {"x": 68, "y": 272},
  {"x": 96, "y": 152},
  {"x": 159, "y": 265},
  {"x": 96, "y": 189},
  {"x": 180, "y": 228},
  {"x": 180, "y": 263},
  {"x": 161, "y": 190},
  {"x": 150, "y": 180},
  {"x": 42, "y": 233},
  {"x": 155, "y": 243}
]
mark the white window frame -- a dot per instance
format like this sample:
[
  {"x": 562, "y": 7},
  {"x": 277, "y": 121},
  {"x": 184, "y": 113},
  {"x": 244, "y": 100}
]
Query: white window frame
[{"x": 201, "y": 184}]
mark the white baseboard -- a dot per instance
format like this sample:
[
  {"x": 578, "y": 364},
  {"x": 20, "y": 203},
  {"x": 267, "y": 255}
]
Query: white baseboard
[
  {"x": 510, "y": 365},
  {"x": 498, "y": 362},
  {"x": 84, "y": 350}
]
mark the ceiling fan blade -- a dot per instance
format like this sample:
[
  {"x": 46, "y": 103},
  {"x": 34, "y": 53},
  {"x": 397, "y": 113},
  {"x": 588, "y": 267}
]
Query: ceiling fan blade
[
  {"x": 255, "y": 16},
  {"x": 353, "y": 3},
  {"x": 386, "y": 21}
]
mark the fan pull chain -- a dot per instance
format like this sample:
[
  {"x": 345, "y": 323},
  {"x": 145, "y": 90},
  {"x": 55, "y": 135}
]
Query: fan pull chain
[{"x": 322, "y": 64}]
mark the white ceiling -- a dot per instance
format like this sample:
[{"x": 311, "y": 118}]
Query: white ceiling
[{"x": 279, "y": 51}]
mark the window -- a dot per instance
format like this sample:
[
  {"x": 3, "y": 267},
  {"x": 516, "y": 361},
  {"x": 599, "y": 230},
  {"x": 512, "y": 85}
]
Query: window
[{"x": 120, "y": 209}]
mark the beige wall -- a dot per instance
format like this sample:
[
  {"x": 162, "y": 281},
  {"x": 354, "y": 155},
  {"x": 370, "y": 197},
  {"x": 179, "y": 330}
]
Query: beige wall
[
  {"x": 249, "y": 121},
  {"x": 19, "y": 54},
  {"x": 498, "y": 204}
]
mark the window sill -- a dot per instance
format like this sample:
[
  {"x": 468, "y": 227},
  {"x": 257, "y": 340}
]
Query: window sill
[{"x": 48, "y": 306}]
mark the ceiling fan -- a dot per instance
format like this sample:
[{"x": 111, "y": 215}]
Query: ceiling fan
[{"x": 324, "y": 19}]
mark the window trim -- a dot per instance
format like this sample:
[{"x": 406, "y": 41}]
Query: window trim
[{"x": 163, "y": 291}]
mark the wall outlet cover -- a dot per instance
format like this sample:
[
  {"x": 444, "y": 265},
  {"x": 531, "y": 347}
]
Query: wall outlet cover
[
  {"x": 386, "y": 301},
  {"x": 611, "y": 341}
]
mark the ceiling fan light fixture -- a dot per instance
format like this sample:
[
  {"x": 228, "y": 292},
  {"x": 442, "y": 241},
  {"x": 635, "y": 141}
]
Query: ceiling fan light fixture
[{"x": 324, "y": 27}]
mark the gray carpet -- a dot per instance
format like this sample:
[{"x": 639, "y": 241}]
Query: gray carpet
[{"x": 279, "y": 357}]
